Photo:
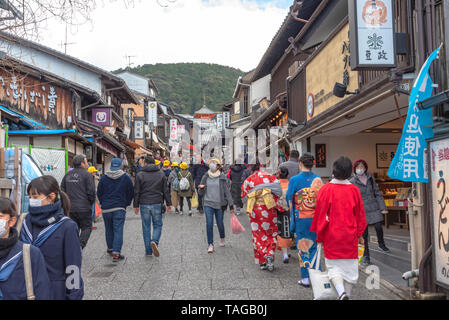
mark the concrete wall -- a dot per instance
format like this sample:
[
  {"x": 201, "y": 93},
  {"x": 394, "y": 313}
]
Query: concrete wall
[{"x": 354, "y": 147}]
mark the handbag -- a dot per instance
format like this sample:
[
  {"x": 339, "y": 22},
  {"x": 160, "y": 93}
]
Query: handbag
[
  {"x": 321, "y": 285},
  {"x": 195, "y": 201}
]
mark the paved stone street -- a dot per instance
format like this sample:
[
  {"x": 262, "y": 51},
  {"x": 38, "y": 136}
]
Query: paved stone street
[{"x": 186, "y": 271}]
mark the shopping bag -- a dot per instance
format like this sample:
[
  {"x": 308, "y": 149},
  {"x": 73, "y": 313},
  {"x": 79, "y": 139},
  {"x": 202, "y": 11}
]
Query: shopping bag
[
  {"x": 321, "y": 284},
  {"x": 361, "y": 252},
  {"x": 195, "y": 201},
  {"x": 236, "y": 226},
  {"x": 97, "y": 210}
]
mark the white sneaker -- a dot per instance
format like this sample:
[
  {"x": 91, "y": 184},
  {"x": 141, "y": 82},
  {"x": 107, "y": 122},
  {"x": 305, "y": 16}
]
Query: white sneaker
[{"x": 222, "y": 243}]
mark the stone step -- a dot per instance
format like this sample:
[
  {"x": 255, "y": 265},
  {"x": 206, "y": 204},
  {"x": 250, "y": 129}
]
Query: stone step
[{"x": 396, "y": 259}]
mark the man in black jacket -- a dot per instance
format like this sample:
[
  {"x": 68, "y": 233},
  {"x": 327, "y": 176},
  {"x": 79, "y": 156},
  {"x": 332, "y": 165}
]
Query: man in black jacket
[
  {"x": 80, "y": 187},
  {"x": 150, "y": 191},
  {"x": 198, "y": 171}
]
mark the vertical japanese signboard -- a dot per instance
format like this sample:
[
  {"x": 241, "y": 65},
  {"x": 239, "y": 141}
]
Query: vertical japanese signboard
[
  {"x": 152, "y": 113},
  {"x": 138, "y": 129},
  {"x": 173, "y": 129},
  {"x": 410, "y": 161},
  {"x": 227, "y": 119},
  {"x": 439, "y": 176},
  {"x": 372, "y": 34},
  {"x": 220, "y": 121}
]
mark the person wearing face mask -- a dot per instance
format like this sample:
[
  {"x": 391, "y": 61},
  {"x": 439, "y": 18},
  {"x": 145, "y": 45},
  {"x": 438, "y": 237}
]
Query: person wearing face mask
[
  {"x": 373, "y": 202},
  {"x": 56, "y": 235},
  {"x": 216, "y": 197},
  {"x": 12, "y": 266}
]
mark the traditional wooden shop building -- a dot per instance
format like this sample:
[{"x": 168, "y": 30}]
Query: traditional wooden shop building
[{"x": 97, "y": 113}]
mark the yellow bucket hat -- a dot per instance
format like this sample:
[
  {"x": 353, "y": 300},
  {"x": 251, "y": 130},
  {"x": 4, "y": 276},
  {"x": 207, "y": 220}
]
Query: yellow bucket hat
[
  {"x": 184, "y": 166},
  {"x": 92, "y": 169},
  {"x": 166, "y": 163},
  {"x": 175, "y": 164},
  {"x": 157, "y": 162}
]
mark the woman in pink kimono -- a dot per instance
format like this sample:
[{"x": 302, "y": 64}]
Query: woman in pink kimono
[{"x": 263, "y": 191}]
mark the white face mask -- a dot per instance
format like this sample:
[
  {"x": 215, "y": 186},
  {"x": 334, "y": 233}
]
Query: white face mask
[
  {"x": 213, "y": 167},
  {"x": 3, "y": 227},
  {"x": 360, "y": 172},
  {"x": 36, "y": 202}
]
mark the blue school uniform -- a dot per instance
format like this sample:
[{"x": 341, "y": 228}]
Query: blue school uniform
[
  {"x": 60, "y": 245},
  {"x": 12, "y": 275}
]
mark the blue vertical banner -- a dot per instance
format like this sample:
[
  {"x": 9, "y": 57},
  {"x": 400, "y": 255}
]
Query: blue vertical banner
[{"x": 410, "y": 161}]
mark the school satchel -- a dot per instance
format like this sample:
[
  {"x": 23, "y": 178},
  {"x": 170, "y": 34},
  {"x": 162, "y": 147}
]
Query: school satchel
[
  {"x": 20, "y": 222},
  {"x": 28, "y": 272}
]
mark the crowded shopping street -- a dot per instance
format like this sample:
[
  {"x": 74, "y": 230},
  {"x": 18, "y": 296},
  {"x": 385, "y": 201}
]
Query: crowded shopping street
[{"x": 194, "y": 153}]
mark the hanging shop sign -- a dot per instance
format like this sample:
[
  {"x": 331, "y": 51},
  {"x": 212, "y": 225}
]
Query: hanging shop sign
[
  {"x": 310, "y": 105},
  {"x": 101, "y": 117},
  {"x": 152, "y": 113},
  {"x": 439, "y": 186},
  {"x": 320, "y": 82},
  {"x": 181, "y": 129},
  {"x": 227, "y": 119},
  {"x": 139, "y": 129},
  {"x": 220, "y": 121},
  {"x": 41, "y": 101},
  {"x": 173, "y": 129},
  {"x": 372, "y": 34},
  {"x": 409, "y": 162}
]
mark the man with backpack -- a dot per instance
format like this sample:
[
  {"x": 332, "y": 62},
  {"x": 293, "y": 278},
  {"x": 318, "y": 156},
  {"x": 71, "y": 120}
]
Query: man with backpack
[
  {"x": 150, "y": 192},
  {"x": 185, "y": 187}
]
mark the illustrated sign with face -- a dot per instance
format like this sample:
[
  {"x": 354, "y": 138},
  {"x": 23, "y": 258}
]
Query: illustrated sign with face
[{"x": 101, "y": 117}]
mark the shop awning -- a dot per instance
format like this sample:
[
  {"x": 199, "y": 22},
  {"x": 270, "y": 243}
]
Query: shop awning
[
  {"x": 137, "y": 146},
  {"x": 41, "y": 132},
  {"x": 25, "y": 120}
]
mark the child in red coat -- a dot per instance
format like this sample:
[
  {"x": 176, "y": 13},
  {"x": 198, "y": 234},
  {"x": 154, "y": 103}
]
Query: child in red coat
[{"x": 339, "y": 223}]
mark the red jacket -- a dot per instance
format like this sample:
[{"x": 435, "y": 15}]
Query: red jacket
[{"x": 339, "y": 220}]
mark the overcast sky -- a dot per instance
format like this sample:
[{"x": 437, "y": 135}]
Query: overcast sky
[{"x": 234, "y": 33}]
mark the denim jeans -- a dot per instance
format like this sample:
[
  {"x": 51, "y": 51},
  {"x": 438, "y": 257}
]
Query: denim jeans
[
  {"x": 151, "y": 213},
  {"x": 114, "y": 223},
  {"x": 219, "y": 214}
]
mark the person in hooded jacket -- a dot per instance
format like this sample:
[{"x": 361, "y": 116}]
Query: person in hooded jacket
[
  {"x": 235, "y": 175},
  {"x": 115, "y": 193},
  {"x": 12, "y": 275},
  {"x": 56, "y": 235},
  {"x": 374, "y": 204},
  {"x": 150, "y": 192}
]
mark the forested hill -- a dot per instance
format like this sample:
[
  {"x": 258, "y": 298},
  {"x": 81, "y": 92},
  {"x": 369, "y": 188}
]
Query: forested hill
[{"x": 185, "y": 85}]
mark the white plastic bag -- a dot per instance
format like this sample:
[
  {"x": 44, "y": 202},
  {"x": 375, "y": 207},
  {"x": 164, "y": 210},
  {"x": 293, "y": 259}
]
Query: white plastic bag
[{"x": 321, "y": 284}]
